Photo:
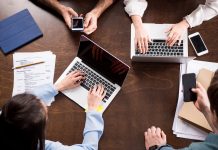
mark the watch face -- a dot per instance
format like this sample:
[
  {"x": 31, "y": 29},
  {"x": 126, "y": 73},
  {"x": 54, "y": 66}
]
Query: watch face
[{"x": 153, "y": 147}]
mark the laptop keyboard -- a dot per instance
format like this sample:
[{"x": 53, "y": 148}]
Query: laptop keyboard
[
  {"x": 160, "y": 48},
  {"x": 92, "y": 79}
]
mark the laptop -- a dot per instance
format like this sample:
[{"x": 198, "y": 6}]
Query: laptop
[
  {"x": 100, "y": 67},
  {"x": 158, "y": 51}
]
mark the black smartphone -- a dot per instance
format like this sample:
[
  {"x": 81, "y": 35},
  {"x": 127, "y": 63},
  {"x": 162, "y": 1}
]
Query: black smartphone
[{"x": 189, "y": 82}]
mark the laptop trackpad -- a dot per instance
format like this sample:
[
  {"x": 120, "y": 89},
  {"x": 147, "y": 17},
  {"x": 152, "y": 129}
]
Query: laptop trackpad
[{"x": 79, "y": 95}]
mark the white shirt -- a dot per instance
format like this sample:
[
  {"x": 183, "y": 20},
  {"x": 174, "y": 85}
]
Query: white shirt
[
  {"x": 135, "y": 7},
  {"x": 202, "y": 13}
]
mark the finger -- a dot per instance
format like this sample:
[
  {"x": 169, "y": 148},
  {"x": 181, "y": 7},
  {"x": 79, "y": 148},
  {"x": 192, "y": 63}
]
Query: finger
[
  {"x": 199, "y": 85},
  {"x": 143, "y": 46},
  {"x": 146, "y": 44},
  {"x": 175, "y": 38},
  {"x": 104, "y": 94},
  {"x": 94, "y": 89},
  {"x": 87, "y": 20},
  {"x": 101, "y": 92},
  {"x": 153, "y": 130},
  {"x": 78, "y": 73},
  {"x": 163, "y": 135},
  {"x": 149, "y": 130},
  {"x": 98, "y": 89},
  {"x": 89, "y": 30},
  {"x": 158, "y": 132},
  {"x": 72, "y": 13},
  {"x": 196, "y": 90},
  {"x": 79, "y": 78},
  {"x": 168, "y": 29},
  {"x": 67, "y": 19},
  {"x": 139, "y": 46},
  {"x": 170, "y": 36},
  {"x": 180, "y": 41}
]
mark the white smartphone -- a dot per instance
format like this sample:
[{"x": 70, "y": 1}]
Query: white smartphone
[
  {"x": 198, "y": 44},
  {"x": 77, "y": 24}
]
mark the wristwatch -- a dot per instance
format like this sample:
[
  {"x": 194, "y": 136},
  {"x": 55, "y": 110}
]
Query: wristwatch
[{"x": 154, "y": 147}]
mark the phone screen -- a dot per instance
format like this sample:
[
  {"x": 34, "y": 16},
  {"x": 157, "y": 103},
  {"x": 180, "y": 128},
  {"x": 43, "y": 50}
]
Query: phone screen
[
  {"x": 189, "y": 82},
  {"x": 77, "y": 23},
  {"x": 198, "y": 43}
]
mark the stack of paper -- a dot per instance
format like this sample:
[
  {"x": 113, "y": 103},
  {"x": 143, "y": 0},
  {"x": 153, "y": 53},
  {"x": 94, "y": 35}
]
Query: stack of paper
[
  {"x": 180, "y": 127},
  {"x": 30, "y": 77}
]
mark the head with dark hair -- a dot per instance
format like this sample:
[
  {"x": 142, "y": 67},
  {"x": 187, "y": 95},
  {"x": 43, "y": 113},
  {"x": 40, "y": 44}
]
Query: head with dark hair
[
  {"x": 22, "y": 123},
  {"x": 213, "y": 95}
]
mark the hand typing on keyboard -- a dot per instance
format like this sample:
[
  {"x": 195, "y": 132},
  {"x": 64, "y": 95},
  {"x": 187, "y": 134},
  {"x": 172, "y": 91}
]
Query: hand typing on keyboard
[
  {"x": 176, "y": 32},
  {"x": 95, "y": 96},
  {"x": 72, "y": 80}
]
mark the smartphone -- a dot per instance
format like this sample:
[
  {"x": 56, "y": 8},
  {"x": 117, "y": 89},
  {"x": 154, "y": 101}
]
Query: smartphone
[
  {"x": 77, "y": 24},
  {"x": 198, "y": 44},
  {"x": 189, "y": 82}
]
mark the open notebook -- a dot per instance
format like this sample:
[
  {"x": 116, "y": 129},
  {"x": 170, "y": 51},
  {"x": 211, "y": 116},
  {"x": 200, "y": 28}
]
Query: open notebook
[{"x": 189, "y": 112}]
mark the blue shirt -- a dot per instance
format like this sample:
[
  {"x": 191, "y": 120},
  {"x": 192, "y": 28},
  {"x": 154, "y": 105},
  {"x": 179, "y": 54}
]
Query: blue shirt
[
  {"x": 93, "y": 127},
  {"x": 210, "y": 143}
]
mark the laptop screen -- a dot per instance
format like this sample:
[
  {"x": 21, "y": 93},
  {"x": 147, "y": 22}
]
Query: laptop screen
[{"x": 102, "y": 62}]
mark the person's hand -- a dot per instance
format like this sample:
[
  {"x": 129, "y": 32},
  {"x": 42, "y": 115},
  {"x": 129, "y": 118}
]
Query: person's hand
[
  {"x": 68, "y": 13},
  {"x": 90, "y": 23},
  {"x": 202, "y": 103},
  {"x": 95, "y": 95},
  {"x": 176, "y": 32},
  {"x": 154, "y": 136},
  {"x": 142, "y": 39},
  {"x": 72, "y": 80}
]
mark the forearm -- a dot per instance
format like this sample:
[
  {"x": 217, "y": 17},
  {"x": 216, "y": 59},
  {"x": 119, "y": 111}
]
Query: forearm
[
  {"x": 137, "y": 21},
  {"x": 203, "y": 13},
  {"x": 54, "y": 4},
  {"x": 208, "y": 115},
  {"x": 101, "y": 6}
]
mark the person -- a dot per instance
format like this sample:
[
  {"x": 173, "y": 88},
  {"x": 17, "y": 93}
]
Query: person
[
  {"x": 90, "y": 19},
  {"x": 24, "y": 117},
  {"x": 136, "y": 8},
  {"x": 207, "y": 103}
]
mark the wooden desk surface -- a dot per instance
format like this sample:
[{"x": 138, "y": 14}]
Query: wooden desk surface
[{"x": 150, "y": 91}]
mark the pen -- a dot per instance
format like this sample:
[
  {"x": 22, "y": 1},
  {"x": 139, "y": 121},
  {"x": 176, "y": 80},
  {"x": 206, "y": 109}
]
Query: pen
[{"x": 18, "y": 67}]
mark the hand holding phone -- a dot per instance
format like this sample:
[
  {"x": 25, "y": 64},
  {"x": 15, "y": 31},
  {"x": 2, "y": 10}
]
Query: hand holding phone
[
  {"x": 198, "y": 44},
  {"x": 189, "y": 82},
  {"x": 77, "y": 24}
]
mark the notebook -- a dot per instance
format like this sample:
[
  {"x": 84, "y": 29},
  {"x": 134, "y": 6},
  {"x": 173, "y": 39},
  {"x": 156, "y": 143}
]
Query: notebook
[{"x": 18, "y": 30}]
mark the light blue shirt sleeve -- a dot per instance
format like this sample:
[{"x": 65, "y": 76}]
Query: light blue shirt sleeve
[
  {"x": 46, "y": 93},
  {"x": 93, "y": 131}
]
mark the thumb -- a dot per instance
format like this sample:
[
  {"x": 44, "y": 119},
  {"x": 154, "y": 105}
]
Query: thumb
[{"x": 87, "y": 20}]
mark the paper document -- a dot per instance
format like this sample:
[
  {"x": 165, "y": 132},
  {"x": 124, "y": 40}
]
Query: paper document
[
  {"x": 30, "y": 77},
  {"x": 180, "y": 127}
]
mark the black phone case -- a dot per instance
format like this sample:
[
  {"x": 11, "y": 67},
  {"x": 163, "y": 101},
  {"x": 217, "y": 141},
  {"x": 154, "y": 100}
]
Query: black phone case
[{"x": 189, "y": 82}]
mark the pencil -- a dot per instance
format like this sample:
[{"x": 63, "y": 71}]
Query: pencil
[{"x": 18, "y": 67}]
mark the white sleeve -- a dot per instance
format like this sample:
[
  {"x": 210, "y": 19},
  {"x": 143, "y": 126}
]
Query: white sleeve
[
  {"x": 135, "y": 7},
  {"x": 203, "y": 13}
]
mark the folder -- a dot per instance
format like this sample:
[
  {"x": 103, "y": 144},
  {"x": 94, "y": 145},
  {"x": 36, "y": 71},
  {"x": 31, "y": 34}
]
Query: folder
[
  {"x": 189, "y": 112},
  {"x": 18, "y": 30}
]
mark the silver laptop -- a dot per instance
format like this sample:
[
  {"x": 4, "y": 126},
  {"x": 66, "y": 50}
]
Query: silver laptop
[
  {"x": 100, "y": 67},
  {"x": 158, "y": 51}
]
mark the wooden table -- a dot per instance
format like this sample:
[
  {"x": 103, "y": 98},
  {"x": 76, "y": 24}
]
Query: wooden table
[{"x": 150, "y": 91}]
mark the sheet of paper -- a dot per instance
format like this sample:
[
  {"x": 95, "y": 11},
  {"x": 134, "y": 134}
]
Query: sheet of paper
[{"x": 28, "y": 78}]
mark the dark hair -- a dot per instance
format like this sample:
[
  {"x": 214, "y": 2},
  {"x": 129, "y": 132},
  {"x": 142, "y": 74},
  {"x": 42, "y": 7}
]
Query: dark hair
[
  {"x": 22, "y": 123},
  {"x": 213, "y": 93}
]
